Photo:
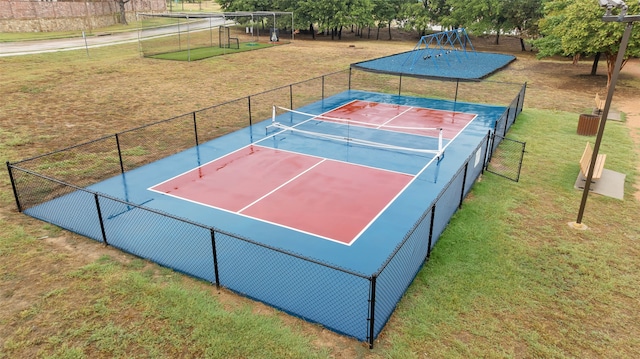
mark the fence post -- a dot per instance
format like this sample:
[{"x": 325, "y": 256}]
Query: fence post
[
  {"x": 523, "y": 90},
  {"x": 215, "y": 258},
  {"x": 323, "y": 87},
  {"x": 104, "y": 233},
  {"x": 13, "y": 185},
  {"x": 400, "y": 86},
  {"x": 486, "y": 153},
  {"x": 455, "y": 99},
  {"x": 119, "y": 153},
  {"x": 521, "y": 159},
  {"x": 195, "y": 128},
  {"x": 506, "y": 122},
  {"x": 249, "y": 106},
  {"x": 291, "y": 96},
  {"x": 464, "y": 182},
  {"x": 372, "y": 311},
  {"x": 433, "y": 216},
  {"x": 349, "y": 78}
]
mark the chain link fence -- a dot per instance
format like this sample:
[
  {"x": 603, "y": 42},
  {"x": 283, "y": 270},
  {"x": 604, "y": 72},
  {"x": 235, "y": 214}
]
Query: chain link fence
[{"x": 56, "y": 188}]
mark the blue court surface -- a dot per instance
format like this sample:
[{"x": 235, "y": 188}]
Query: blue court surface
[
  {"x": 469, "y": 65},
  {"x": 368, "y": 252},
  {"x": 314, "y": 273}
]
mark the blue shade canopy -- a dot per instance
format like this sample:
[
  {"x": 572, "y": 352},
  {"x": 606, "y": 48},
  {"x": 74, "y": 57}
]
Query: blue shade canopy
[{"x": 439, "y": 63}]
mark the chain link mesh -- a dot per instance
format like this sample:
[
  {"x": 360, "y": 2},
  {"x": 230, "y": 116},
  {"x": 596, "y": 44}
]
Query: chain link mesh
[
  {"x": 219, "y": 120},
  {"x": 150, "y": 143},
  {"x": 506, "y": 160},
  {"x": 336, "y": 83},
  {"x": 75, "y": 211},
  {"x": 319, "y": 293},
  {"x": 82, "y": 165},
  {"x": 338, "y": 299},
  {"x": 165, "y": 240},
  {"x": 475, "y": 164},
  {"x": 307, "y": 92},
  {"x": 447, "y": 204},
  {"x": 400, "y": 269},
  {"x": 262, "y": 103}
]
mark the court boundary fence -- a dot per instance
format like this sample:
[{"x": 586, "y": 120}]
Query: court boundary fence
[{"x": 361, "y": 312}]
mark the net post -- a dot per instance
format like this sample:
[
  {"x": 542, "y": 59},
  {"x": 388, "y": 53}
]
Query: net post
[
  {"x": 13, "y": 186},
  {"x": 440, "y": 140},
  {"x": 102, "y": 230},
  {"x": 119, "y": 153},
  {"x": 273, "y": 114}
]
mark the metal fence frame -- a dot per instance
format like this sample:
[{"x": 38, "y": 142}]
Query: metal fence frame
[{"x": 38, "y": 180}]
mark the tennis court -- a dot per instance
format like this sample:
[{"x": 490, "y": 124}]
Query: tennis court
[
  {"x": 326, "y": 211},
  {"x": 339, "y": 201},
  {"x": 322, "y": 193}
]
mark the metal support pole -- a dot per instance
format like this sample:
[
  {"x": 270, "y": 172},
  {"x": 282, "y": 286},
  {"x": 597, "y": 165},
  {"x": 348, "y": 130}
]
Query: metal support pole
[
  {"x": 13, "y": 186},
  {"x": 195, "y": 128},
  {"x": 102, "y": 229},
  {"x": 249, "y": 105},
  {"x": 603, "y": 120},
  {"x": 372, "y": 312},
  {"x": 291, "y": 96},
  {"x": 215, "y": 259},
  {"x": 119, "y": 153},
  {"x": 464, "y": 183},
  {"x": 430, "y": 241}
]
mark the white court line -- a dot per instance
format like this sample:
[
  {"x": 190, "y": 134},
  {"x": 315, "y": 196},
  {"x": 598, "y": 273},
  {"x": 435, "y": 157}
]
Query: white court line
[
  {"x": 323, "y": 159},
  {"x": 282, "y": 185},
  {"x": 411, "y": 182}
]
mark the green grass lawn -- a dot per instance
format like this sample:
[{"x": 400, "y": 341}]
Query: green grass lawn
[
  {"x": 206, "y": 52},
  {"x": 508, "y": 278}
]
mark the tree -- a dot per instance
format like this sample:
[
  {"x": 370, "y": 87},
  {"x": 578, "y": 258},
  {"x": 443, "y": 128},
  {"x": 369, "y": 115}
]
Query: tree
[
  {"x": 524, "y": 15},
  {"x": 575, "y": 28},
  {"x": 483, "y": 16},
  {"x": 386, "y": 11},
  {"x": 123, "y": 14},
  {"x": 246, "y": 5},
  {"x": 420, "y": 15},
  {"x": 495, "y": 16}
]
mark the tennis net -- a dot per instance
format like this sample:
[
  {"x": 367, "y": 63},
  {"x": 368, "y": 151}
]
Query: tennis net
[{"x": 357, "y": 132}]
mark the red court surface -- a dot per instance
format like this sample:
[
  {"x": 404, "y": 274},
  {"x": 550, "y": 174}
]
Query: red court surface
[
  {"x": 326, "y": 198},
  {"x": 394, "y": 117}
]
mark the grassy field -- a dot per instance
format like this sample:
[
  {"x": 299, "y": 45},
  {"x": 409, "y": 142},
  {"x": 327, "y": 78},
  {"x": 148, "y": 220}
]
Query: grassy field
[
  {"x": 508, "y": 278},
  {"x": 206, "y": 52}
]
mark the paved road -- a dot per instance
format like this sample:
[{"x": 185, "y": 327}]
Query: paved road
[{"x": 79, "y": 43}]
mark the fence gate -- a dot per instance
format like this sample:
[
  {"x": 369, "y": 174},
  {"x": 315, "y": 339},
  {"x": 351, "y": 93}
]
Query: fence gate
[{"x": 506, "y": 159}]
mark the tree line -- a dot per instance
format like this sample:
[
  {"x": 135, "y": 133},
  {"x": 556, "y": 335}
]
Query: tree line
[
  {"x": 332, "y": 16},
  {"x": 553, "y": 27}
]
